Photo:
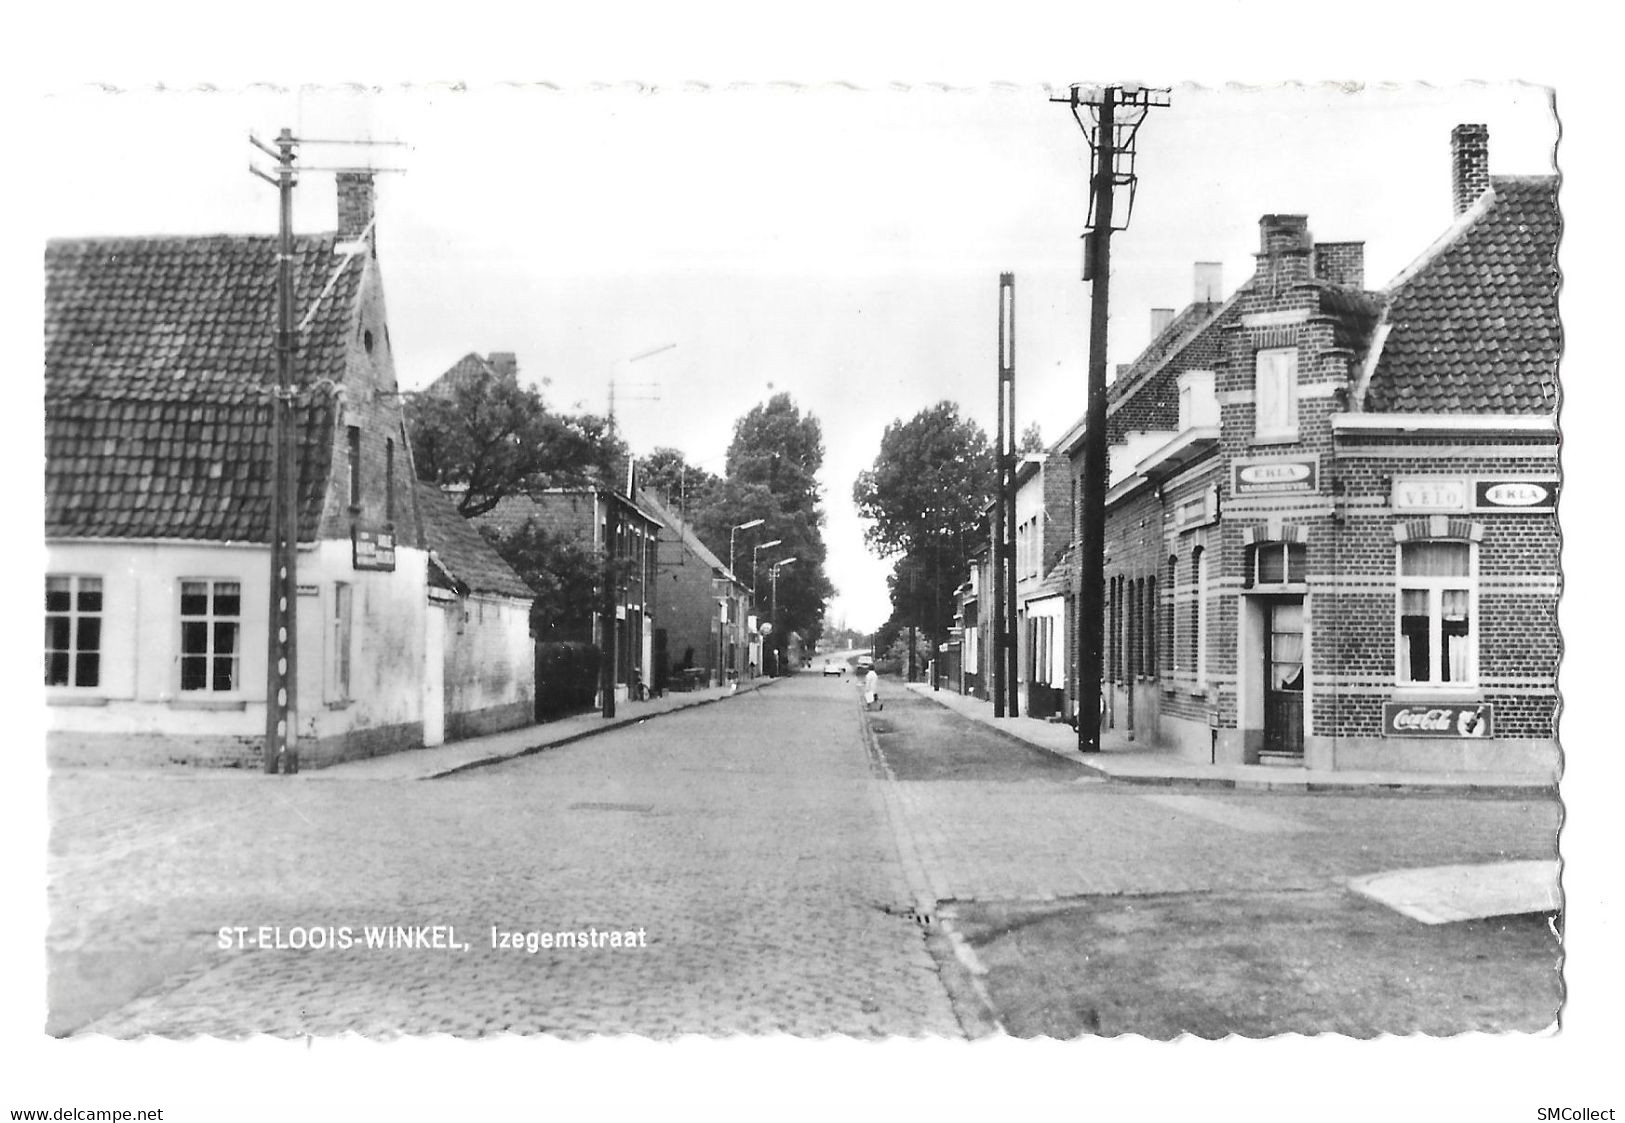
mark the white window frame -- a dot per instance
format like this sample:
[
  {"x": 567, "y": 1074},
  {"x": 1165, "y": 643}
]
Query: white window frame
[
  {"x": 1435, "y": 587},
  {"x": 75, "y": 615},
  {"x": 1276, "y": 383},
  {"x": 340, "y": 630},
  {"x": 210, "y": 655}
]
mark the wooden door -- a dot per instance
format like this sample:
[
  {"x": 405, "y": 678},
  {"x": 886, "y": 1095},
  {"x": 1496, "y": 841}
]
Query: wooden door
[{"x": 1283, "y": 677}]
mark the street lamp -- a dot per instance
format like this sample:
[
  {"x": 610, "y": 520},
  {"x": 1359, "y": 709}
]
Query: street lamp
[
  {"x": 757, "y": 550},
  {"x": 773, "y": 576},
  {"x": 731, "y": 531}
]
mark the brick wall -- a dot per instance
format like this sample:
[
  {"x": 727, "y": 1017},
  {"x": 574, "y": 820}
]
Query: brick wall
[
  {"x": 1347, "y": 527},
  {"x": 372, "y": 406},
  {"x": 686, "y": 607}
]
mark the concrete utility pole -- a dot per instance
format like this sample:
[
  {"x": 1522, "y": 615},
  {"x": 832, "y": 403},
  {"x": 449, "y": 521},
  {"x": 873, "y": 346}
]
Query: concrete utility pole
[
  {"x": 282, "y": 632},
  {"x": 1115, "y": 115},
  {"x": 281, "y": 753},
  {"x": 1004, "y": 511}
]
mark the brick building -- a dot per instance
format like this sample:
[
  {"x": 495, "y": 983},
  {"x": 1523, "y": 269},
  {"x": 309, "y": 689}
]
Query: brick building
[
  {"x": 585, "y": 515},
  {"x": 1331, "y": 525},
  {"x": 702, "y": 607},
  {"x": 158, "y": 355}
]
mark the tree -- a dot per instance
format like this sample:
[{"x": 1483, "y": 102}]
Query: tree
[
  {"x": 1032, "y": 439},
  {"x": 777, "y": 446},
  {"x": 563, "y": 573},
  {"x": 924, "y": 497},
  {"x": 772, "y": 468},
  {"x": 492, "y": 437},
  {"x": 684, "y": 488}
]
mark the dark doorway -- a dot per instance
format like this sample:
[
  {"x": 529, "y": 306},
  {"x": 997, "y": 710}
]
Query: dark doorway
[{"x": 1283, "y": 678}]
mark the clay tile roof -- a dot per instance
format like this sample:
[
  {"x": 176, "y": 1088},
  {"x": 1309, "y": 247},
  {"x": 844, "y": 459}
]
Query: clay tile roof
[
  {"x": 1474, "y": 328},
  {"x": 157, "y": 355},
  {"x": 462, "y": 550}
]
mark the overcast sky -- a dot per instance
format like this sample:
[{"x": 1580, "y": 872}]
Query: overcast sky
[{"x": 840, "y": 244}]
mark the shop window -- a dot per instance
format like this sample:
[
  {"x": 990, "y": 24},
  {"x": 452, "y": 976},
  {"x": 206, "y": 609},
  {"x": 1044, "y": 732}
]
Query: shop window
[
  {"x": 1436, "y": 608},
  {"x": 211, "y": 627},
  {"x": 1275, "y": 393},
  {"x": 1280, "y": 563},
  {"x": 73, "y": 631}
]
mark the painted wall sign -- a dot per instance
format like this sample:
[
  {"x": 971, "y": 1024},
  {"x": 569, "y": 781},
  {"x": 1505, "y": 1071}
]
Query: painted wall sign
[
  {"x": 1429, "y": 493},
  {"x": 1515, "y": 495},
  {"x": 1271, "y": 476},
  {"x": 1200, "y": 510},
  {"x": 372, "y": 549},
  {"x": 1438, "y": 719}
]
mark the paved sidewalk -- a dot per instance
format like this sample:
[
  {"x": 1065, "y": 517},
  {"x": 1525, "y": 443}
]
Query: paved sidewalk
[
  {"x": 474, "y": 752},
  {"x": 1133, "y": 763}
]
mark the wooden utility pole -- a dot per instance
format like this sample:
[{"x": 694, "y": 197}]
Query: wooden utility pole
[
  {"x": 1116, "y": 113},
  {"x": 1091, "y": 630}
]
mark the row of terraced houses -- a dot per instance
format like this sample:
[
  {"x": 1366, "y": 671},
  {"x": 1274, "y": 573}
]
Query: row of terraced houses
[
  {"x": 412, "y": 630},
  {"x": 1331, "y": 524}
]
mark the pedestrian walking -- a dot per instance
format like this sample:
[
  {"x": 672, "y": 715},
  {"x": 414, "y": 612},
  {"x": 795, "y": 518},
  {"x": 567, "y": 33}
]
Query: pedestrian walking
[{"x": 871, "y": 690}]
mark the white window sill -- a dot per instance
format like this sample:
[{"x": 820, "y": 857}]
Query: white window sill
[
  {"x": 1443, "y": 692},
  {"x": 52, "y": 699},
  {"x": 220, "y": 704},
  {"x": 1274, "y": 438}
]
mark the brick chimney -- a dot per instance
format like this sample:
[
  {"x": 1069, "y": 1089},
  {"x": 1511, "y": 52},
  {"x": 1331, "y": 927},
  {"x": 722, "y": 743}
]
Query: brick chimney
[
  {"x": 1160, "y": 319},
  {"x": 505, "y": 363},
  {"x": 1285, "y": 248},
  {"x": 355, "y": 203},
  {"x": 1469, "y": 164},
  {"x": 1209, "y": 282},
  {"x": 1341, "y": 264}
]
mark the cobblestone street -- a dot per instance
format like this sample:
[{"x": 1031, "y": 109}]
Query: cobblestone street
[
  {"x": 1084, "y": 906},
  {"x": 769, "y": 857},
  {"x": 748, "y": 840}
]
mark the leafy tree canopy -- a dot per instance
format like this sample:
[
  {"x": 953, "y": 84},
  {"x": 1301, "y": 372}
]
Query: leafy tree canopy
[
  {"x": 932, "y": 478},
  {"x": 667, "y": 473},
  {"x": 778, "y": 446},
  {"x": 493, "y": 437},
  {"x": 924, "y": 497}
]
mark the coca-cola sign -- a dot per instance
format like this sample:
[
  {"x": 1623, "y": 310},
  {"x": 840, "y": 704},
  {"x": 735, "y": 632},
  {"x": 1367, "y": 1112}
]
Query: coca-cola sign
[{"x": 1438, "y": 719}]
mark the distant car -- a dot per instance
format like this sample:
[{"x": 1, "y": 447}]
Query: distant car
[
  {"x": 833, "y": 668},
  {"x": 865, "y": 662}
]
